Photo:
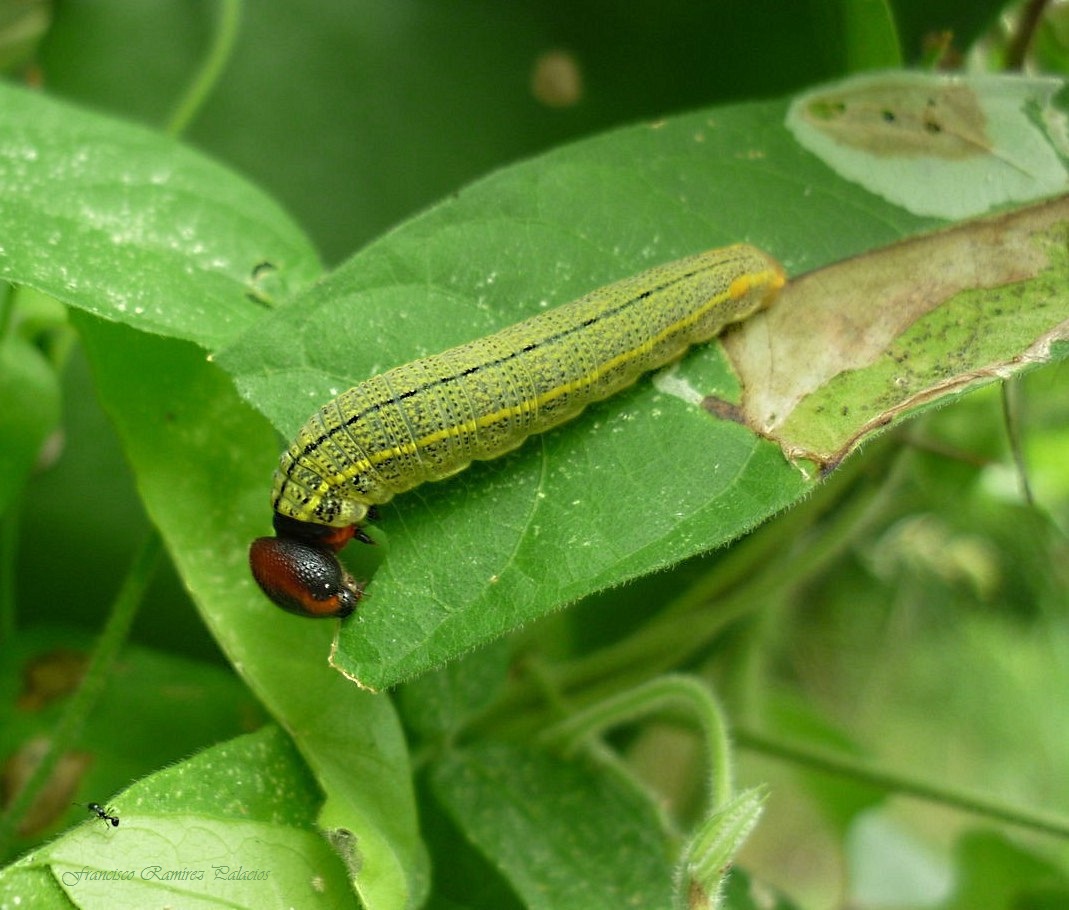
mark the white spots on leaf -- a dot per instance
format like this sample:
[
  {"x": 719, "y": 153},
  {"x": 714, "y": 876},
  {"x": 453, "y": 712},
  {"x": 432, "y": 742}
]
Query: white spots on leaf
[
  {"x": 21, "y": 152},
  {"x": 670, "y": 382}
]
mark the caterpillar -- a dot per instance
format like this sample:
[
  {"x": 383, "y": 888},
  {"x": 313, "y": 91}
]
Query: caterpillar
[{"x": 429, "y": 419}]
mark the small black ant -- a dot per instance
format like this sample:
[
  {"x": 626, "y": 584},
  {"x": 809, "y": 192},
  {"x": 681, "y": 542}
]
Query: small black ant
[{"x": 107, "y": 816}]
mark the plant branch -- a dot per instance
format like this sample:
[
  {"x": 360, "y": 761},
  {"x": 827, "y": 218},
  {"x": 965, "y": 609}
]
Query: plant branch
[
  {"x": 839, "y": 765},
  {"x": 210, "y": 69}
]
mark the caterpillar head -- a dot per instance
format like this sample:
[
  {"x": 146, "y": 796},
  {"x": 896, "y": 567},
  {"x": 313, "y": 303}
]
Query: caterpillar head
[{"x": 299, "y": 569}]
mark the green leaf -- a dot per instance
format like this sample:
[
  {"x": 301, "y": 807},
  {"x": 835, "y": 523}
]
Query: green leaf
[
  {"x": 948, "y": 146},
  {"x": 201, "y": 456},
  {"x": 132, "y": 226},
  {"x": 606, "y": 498},
  {"x": 130, "y": 208},
  {"x": 595, "y": 504},
  {"x": 232, "y": 826},
  {"x": 564, "y": 834},
  {"x": 958, "y": 309}
]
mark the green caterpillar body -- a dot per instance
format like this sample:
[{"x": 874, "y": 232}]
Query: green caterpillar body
[{"x": 431, "y": 418}]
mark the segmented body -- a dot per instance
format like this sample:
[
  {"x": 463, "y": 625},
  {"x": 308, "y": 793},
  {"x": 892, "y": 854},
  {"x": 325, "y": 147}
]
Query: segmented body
[{"x": 431, "y": 418}]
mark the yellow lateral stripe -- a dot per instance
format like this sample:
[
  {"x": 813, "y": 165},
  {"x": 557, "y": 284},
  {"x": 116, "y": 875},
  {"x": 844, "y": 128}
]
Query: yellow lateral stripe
[
  {"x": 523, "y": 380},
  {"x": 738, "y": 288}
]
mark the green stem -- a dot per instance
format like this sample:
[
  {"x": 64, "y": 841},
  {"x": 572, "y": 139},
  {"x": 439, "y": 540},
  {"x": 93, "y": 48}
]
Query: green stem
[
  {"x": 211, "y": 69},
  {"x": 96, "y": 676},
  {"x": 656, "y": 696},
  {"x": 845, "y": 766},
  {"x": 1011, "y": 412}
]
